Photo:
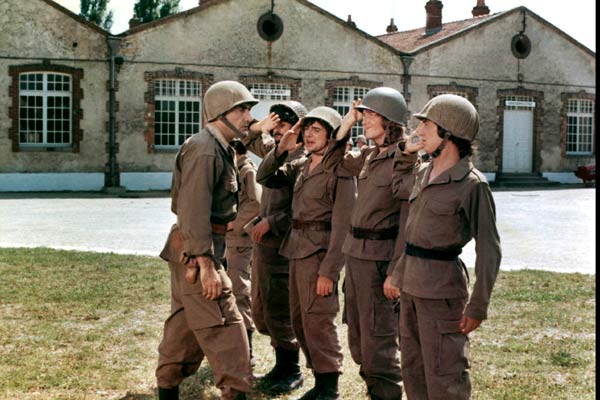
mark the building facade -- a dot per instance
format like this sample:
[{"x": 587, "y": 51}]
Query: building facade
[{"x": 89, "y": 111}]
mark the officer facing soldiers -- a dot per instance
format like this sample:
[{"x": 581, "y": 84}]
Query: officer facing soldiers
[
  {"x": 204, "y": 319},
  {"x": 238, "y": 242},
  {"x": 450, "y": 204},
  {"x": 270, "y": 270},
  {"x": 375, "y": 240},
  {"x": 321, "y": 200}
]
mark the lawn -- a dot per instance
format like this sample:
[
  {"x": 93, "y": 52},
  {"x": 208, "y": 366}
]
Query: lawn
[{"x": 76, "y": 325}]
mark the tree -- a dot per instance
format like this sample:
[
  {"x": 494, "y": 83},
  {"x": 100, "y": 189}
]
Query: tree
[
  {"x": 95, "y": 11},
  {"x": 150, "y": 10}
]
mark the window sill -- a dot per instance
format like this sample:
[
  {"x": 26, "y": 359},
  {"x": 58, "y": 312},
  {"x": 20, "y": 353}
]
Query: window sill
[{"x": 44, "y": 149}]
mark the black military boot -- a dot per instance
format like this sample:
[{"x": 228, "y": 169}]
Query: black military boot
[
  {"x": 313, "y": 393},
  {"x": 252, "y": 362},
  {"x": 168, "y": 394},
  {"x": 329, "y": 387},
  {"x": 289, "y": 376}
]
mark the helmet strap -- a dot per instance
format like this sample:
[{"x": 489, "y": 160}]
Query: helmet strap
[
  {"x": 236, "y": 132},
  {"x": 439, "y": 149}
]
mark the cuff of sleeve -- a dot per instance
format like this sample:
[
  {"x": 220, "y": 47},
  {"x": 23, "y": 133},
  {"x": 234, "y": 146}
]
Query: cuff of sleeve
[
  {"x": 196, "y": 248},
  {"x": 476, "y": 312}
]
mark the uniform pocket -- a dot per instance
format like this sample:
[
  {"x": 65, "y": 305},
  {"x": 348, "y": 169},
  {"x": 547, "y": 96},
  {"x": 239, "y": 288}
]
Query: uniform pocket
[
  {"x": 453, "y": 348},
  {"x": 384, "y": 314},
  {"x": 322, "y": 304},
  {"x": 203, "y": 313}
]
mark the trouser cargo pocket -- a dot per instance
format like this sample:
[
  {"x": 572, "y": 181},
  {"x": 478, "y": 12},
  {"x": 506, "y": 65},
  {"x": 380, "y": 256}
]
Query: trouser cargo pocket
[{"x": 452, "y": 348}]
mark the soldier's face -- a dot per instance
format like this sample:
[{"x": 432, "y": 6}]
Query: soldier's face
[
  {"x": 428, "y": 133},
  {"x": 373, "y": 125},
  {"x": 280, "y": 130},
  {"x": 240, "y": 117},
  {"x": 315, "y": 137}
]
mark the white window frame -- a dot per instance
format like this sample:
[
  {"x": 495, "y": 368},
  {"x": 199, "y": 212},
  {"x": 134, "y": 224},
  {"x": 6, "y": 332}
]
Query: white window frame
[
  {"x": 45, "y": 94},
  {"x": 342, "y": 103},
  {"x": 580, "y": 127},
  {"x": 178, "y": 91}
]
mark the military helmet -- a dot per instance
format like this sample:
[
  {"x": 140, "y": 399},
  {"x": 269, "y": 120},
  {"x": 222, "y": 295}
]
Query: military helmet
[
  {"x": 223, "y": 96},
  {"x": 387, "y": 102},
  {"x": 453, "y": 113},
  {"x": 361, "y": 138},
  {"x": 289, "y": 111},
  {"x": 327, "y": 115}
]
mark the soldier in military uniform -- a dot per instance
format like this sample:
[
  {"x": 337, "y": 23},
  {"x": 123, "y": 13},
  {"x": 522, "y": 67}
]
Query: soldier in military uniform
[
  {"x": 204, "y": 320},
  {"x": 270, "y": 270},
  {"x": 321, "y": 200},
  {"x": 375, "y": 241},
  {"x": 450, "y": 204}
]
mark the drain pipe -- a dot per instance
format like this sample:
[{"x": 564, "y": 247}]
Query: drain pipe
[
  {"x": 406, "y": 61},
  {"x": 111, "y": 170}
]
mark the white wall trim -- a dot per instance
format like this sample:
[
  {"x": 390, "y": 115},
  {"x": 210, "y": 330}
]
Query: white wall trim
[
  {"x": 562, "y": 177},
  {"x": 140, "y": 181},
  {"x": 51, "y": 182}
]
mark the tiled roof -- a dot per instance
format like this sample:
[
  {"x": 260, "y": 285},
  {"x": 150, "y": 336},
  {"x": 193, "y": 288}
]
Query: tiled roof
[{"x": 410, "y": 41}]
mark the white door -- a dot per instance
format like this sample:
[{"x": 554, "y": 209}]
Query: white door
[{"x": 517, "y": 147}]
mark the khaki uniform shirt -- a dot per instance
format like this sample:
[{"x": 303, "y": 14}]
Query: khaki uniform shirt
[
  {"x": 319, "y": 196},
  {"x": 454, "y": 208},
  {"x": 249, "y": 203},
  {"x": 276, "y": 203},
  {"x": 377, "y": 205},
  {"x": 204, "y": 189}
]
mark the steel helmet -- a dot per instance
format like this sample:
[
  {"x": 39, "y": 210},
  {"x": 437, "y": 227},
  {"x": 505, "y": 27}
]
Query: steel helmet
[
  {"x": 361, "y": 138},
  {"x": 289, "y": 111},
  {"x": 453, "y": 113},
  {"x": 328, "y": 115},
  {"x": 223, "y": 96},
  {"x": 387, "y": 102}
]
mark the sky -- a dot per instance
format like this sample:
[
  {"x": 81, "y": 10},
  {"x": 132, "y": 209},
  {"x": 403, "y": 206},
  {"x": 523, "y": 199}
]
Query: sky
[{"x": 576, "y": 17}]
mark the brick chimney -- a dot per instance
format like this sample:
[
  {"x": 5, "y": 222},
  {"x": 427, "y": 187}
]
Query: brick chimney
[
  {"x": 433, "y": 10},
  {"x": 480, "y": 9},
  {"x": 133, "y": 22},
  {"x": 391, "y": 27}
]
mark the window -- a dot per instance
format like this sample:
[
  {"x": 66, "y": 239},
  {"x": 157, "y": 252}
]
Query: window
[
  {"x": 580, "y": 126},
  {"x": 342, "y": 102},
  {"x": 462, "y": 94},
  {"x": 45, "y": 110},
  {"x": 176, "y": 111}
]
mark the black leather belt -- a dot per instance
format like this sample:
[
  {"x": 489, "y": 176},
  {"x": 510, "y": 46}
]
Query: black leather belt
[
  {"x": 312, "y": 225},
  {"x": 445, "y": 254},
  {"x": 375, "y": 234}
]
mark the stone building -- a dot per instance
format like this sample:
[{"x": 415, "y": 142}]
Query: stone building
[{"x": 88, "y": 110}]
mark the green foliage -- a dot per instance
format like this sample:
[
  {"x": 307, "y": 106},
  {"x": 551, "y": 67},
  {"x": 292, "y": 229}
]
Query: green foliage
[
  {"x": 150, "y": 10},
  {"x": 95, "y": 11}
]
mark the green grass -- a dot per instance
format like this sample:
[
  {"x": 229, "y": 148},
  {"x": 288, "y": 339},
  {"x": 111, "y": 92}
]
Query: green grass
[{"x": 77, "y": 325}]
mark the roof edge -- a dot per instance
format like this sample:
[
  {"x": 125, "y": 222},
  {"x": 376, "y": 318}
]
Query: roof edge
[{"x": 78, "y": 18}]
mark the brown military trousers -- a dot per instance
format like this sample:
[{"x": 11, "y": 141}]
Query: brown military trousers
[
  {"x": 313, "y": 316},
  {"x": 434, "y": 352},
  {"x": 271, "y": 297},
  {"x": 198, "y": 327},
  {"x": 238, "y": 270},
  {"x": 372, "y": 322}
]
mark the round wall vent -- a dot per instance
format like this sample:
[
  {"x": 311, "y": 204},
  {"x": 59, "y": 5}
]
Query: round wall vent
[
  {"x": 270, "y": 26},
  {"x": 520, "y": 45}
]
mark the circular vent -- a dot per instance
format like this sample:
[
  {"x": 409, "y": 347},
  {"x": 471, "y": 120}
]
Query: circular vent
[
  {"x": 520, "y": 45},
  {"x": 270, "y": 26}
]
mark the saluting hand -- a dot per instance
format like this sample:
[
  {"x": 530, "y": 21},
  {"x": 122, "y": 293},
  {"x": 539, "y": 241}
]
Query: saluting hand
[
  {"x": 289, "y": 140},
  {"x": 324, "y": 286},
  {"x": 268, "y": 123},
  {"x": 210, "y": 278},
  {"x": 350, "y": 119}
]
